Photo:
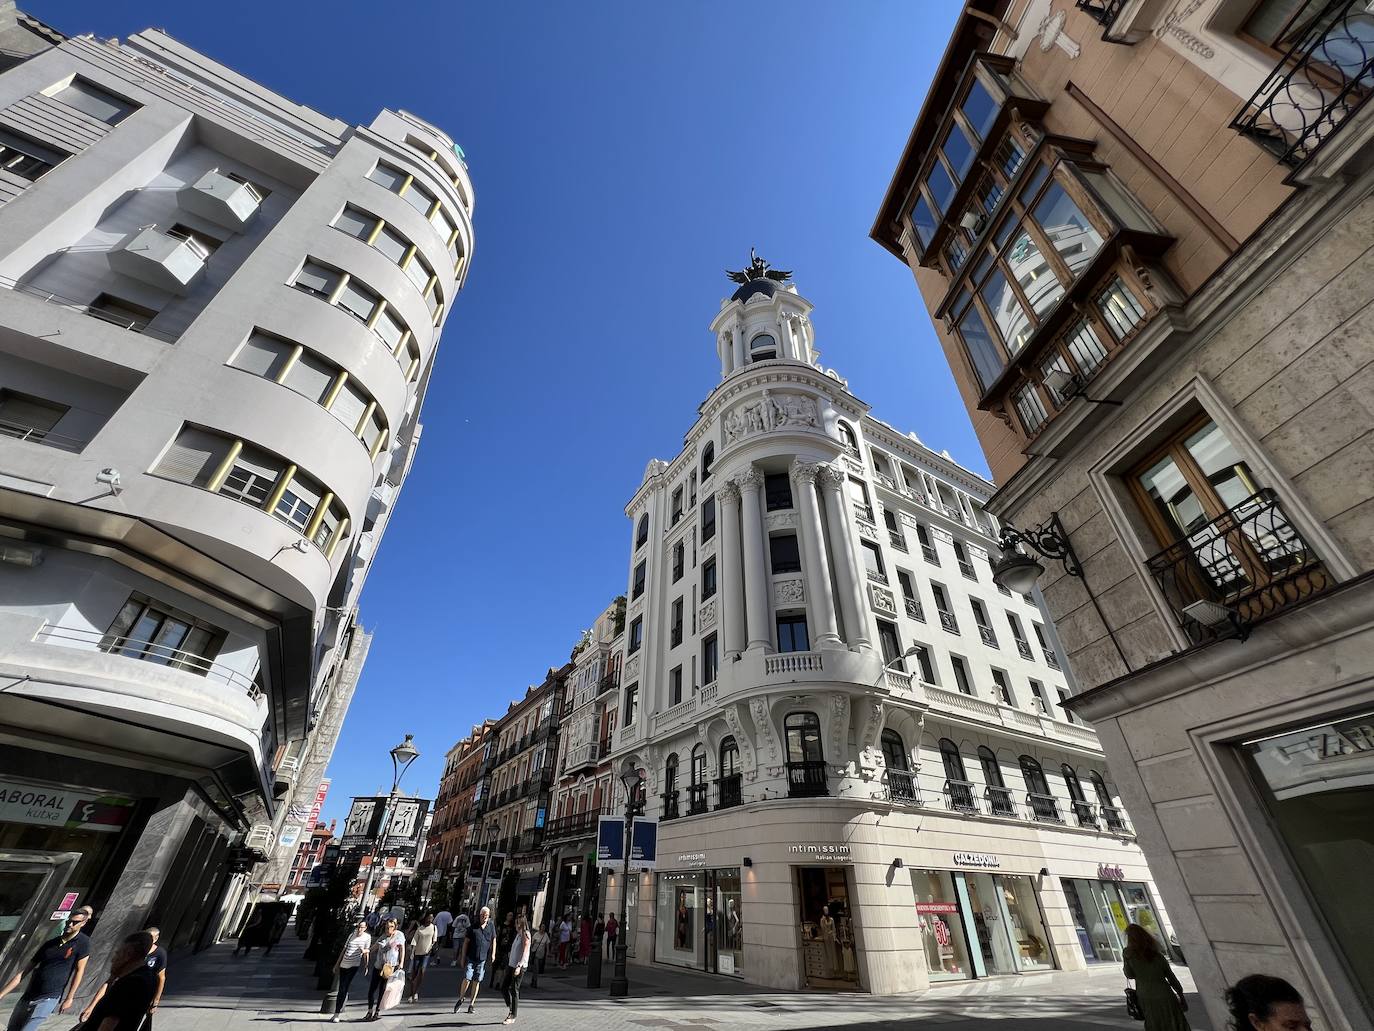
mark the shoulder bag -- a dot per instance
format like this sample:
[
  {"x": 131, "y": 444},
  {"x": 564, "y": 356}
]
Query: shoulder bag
[{"x": 1133, "y": 1007}]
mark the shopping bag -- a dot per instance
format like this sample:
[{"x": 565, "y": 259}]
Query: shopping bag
[{"x": 391, "y": 995}]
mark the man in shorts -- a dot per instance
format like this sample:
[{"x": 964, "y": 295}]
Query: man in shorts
[{"x": 479, "y": 949}]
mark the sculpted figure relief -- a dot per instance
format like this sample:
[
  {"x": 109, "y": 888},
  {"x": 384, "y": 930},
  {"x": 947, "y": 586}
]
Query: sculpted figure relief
[{"x": 771, "y": 412}]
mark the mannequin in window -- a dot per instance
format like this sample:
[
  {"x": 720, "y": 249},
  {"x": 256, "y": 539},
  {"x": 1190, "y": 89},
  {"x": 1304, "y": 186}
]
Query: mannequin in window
[{"x": 830, "y": 952}]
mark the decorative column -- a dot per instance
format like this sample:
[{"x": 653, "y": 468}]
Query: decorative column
[
  {"x": 787, "y": 347},
  {"x": 847, "y": 583},
  {"x": 756, "y": 605},
  {"x": 826, "y": 633},
  {"x": 730, "y": 585},
  {"x": 737, "y": 335}
]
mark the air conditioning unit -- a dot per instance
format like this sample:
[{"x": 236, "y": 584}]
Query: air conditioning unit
[{"x": 972, "y": 221}]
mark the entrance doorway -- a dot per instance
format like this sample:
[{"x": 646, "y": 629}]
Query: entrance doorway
[
  {"x": 829, "y": 955},
  {"x": 31, "y": 886}
]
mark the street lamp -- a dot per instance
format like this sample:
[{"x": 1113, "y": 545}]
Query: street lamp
[
  {"x": 401, "y": 757},
  {"x": 892, "y": 666},
  {"x": 631, "y": 778}
]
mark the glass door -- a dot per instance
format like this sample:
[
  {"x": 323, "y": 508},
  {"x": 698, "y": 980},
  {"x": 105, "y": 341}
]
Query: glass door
[
  {"x": 989, "y": 924},
  {"x": 829, "y": 952},
  {"x": 30, "y": 887},
  {"x": 729, "y": 924}
]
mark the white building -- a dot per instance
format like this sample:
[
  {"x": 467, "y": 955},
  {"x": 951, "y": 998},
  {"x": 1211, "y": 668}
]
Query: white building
[
  {"x": 218, "y": 315},
  {"x": 851, "y": 737}
]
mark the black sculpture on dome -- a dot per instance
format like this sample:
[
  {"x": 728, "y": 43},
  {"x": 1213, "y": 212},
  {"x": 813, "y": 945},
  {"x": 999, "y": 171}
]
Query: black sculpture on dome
[{"x": 758, "y": 269}]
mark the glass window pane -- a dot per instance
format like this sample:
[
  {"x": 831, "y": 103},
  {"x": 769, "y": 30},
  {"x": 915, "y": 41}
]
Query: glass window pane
[
  {"x": 958, "y": 151},
  {"x": 389, "y": 329},
  {"x": 355, "y": 223},
  {"x": 96, "y": 102},
  {"x": 349, "y": 406},
  {"x": 941, "y": 185},
  {"x": 1074, "y": 237},
  {"x": 982, "y": 349},
  {"x": 311, "y": 377},
  {"x": 1037, "y": 178},
  {"x": 1039, "y": 282},
  {"x": 1221, "y": 464},
  {"x": 1030, "y": 408},
  {"x": 418, "y": 272},
  {"x": 262, "y": 356},
  {"x": 357, "y": 300},
  {"x": 923, "y": 220},
  {"x": 1173, "y": 497},
  {"x": 317, "y": 279},
  {"x": 419, "y": 198},
  {"x": 980, "y": 109},
  {"x": 1012, "y": 321},
  {"x": 392, "y": 244},
  {"x": 1086, "y": 349},
  {"x": 387, "y": 176},
  {"x": 1120, "y": 308},
  {"x": 1009, "y": 157}
]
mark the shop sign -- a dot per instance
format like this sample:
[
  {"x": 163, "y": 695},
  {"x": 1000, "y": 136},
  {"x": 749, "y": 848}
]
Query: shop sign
[
  {"x": 976, "y": 859},
  {"x": 318, "y": 805},
  {"x": 72, "y": 809},
  {"x": 1110, "y": 873},
  {"x": 937, "y": 907},
  {"x": 692, "y": 859},
  {"x": 824, "y": 853},
  {"x": 290, "y": 834}
]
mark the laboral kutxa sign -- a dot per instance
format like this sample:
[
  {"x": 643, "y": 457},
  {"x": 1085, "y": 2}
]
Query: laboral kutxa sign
[{"x": 51, "y": 805}]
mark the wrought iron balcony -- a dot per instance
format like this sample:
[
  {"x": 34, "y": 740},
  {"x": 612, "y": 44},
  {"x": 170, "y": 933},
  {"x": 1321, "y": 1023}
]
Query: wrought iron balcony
[
  {"x": 931, "y": 555},
  {"x": 731, "y": 790},
  {"x": 1023, "y": 649},
  {"x": 1323, "y": 78},
  {"x": 877, "y": 577},
  {"x": 988, "y": 637},
  {"x": 1000, "y": 802},
  {"x": 1051, "y": 660},
  {"x": 1238, "y": 569},
  {"x": 897, "y": 540},
  {"x": 806, "y": 779},
  {"x": 669, "y": 799},
  {"x": 1114, "y": 819},
  {"x": 696, "y": 799},
  {"x": 966, "y": 567},
  {"x": 914, "y": 610},
  {"x": 948, "y": 622},
  {"x": 1044, "y": 808},
  {"x": 959, "y": 796},
  {"x": 1103, "y": 12},
  {"x": 901, "y": 787},
  {"x": 1085, "y": 813}
]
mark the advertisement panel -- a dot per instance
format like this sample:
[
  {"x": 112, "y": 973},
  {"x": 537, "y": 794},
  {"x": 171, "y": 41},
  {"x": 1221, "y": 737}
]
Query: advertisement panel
[
  {"x": 320, "y": 793},
  {"x": 644, "y": 844},
  {"x": 610, "y": 842},
  {"x": 359, "y": 829}
]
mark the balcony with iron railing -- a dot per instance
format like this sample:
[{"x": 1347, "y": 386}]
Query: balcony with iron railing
[
  {"x": 1239, "y": 569},
  {"x": 1023, "y": 649},
  {"x": 1105, "y": 13},
  {"x": 36, "y": 435},
  {"x": 669, "y": 810},
  {"x": 966, "y": 567},
  {"x": 1115, "y": 819},
  {"x": 1085, "y": 813},
  {"x": 572, "y": 826},
  {"x": 987, "y": 636},
  {"x": 806, "y": 779},
  {"x": 1044, "y": 808},
  {"x": 877, "y": 576},
  {"x": 896, "y": 539},
  {"x": 948, "y": 623},
  {"x": 901, "y": 787},
  {"x": 1051, "y": 660},
  {"x": 730, "y": 791},
  {"x": 1000, "y": 801},
  {"x": 696, "y": 799},
  {"x": 1322, "y": 79},
  {"x": 930, "y": 554},
  {"x": 914, "y": 610},
  {"x": 139, "y": 649},
  {"x": 960, "y": 796}
]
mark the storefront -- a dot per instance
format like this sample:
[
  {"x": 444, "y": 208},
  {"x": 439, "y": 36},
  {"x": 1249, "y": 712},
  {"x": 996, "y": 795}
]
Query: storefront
[
  {"x": 700, "y": 920},
  {"x": 1102, "y": 908},
  {"x": 976, "y": 923},
  {"x": 829, "y": 951}
]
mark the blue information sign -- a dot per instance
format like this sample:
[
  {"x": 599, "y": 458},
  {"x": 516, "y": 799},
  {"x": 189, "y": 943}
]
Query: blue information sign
[{"x": 610, "y": 843}]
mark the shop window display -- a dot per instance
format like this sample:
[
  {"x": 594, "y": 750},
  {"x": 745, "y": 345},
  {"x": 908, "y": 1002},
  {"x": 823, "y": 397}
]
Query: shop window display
[
  {"x": 942, "y": 929},
  {"x": 990, "y": 924},
  {"x": 1090, "y": 905},
  {"x": 827, "y": 930},
  {"x": 1024, "y": 924}
]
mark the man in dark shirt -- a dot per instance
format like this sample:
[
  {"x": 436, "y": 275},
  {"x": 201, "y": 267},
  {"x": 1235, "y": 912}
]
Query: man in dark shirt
[
  {"x": 129, "y": 992},
  {"x": 157, "y": 963},
  {"x": 478, "y": 949},
  {"x": 57, "y": 968}
]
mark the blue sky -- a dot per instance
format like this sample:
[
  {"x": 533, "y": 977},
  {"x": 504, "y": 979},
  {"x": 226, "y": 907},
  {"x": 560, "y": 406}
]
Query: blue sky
[{"x": 623, "y": 155}]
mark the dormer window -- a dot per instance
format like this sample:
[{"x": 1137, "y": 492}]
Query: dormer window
[{"x": 763, "y": 348}]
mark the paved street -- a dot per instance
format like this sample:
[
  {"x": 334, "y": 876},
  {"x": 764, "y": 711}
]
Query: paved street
[{"x": 215, "y": 992}]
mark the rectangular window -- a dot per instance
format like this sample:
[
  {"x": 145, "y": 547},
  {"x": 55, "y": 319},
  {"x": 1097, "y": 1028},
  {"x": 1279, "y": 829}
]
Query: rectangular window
[
  {"x": 395, "y": 247},
  {"x": 999, "y": 678},
  {"x": 194, "y": 456},
  {"x": 356, "y": 222},
  {"x": 1085, "y": 349},
  {"x": 418, "y": 272},
  {"x": 792, "y": 634},
  {"x": 1120, "y": 308},
  {"x": 926, "y": 665},
  {"x": 1030, "y": 408},
  {"x": 676, "y": 507},
  {"x": 641, "y": 572},
  {"x": 299, "y": 501},
  {"x": 891, "y": 645},
  {"x": 631, "y": 704},
  {"x": 90, "y": 99},
  {"x": 419, "y": 198},
  {"x": 676, "y": 638},
  {"x": 262, "y": 355},
  {"x": 679, "y": 561},
  {"x": 317, "y": 279},
  {"x": 121, "y": 312},
  {"x": 961, "y": 676},
  {"x": 388, "y": 177},
  {"x": 26, "y": 158},
  {"x": 1038, "y": 693},
  {"x": 675, "y": 685},
  {"x": 904, "y": 582},
  {"x": 252, "y": 477},
  {"x": 708, "y": 579},
  {"x": 708, "y": 519},
  {"x": 311, "y": 377},
  {"x": 1068, "y": 713},
  {"x": 153, "y": 632},
  {"x": 777, "y": 490},
  {"x": 358, "y": 300},
  {"x": 389, "y": 330},
  {"x": 710, "y": 659},
  {"x": 783, "y": 551},
  {"x": 873, "y": 562},
  {"x": 923, "y": 221},
  {"x": 636, "y": 634},
  {"x": 27, "y": 417},
  {"x": 982, "y": 349},
  {"x": 349, "y": 405}
]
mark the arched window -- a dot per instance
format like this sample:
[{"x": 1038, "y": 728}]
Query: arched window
[
  {"x": 642, "y": 531},
  {"x": 847, "y": 438},
  {"x": 894, "y": 751},
  {"x": 708, "y": 458},
  {"x": 670, "y": 775},
  {"x": 729, "y": 758},
  {"x": 699, "y": 765},
  {"x": 1071, "y": 779},
  {"x": 762, "y": 348},
  {"x": 992, "y": 769},
  {"x": 1104, "y": 796},
  {"x": 803, "y": 738},
  {"x": 954, "y": 762},
  {"x": 1035, "y": 776}
]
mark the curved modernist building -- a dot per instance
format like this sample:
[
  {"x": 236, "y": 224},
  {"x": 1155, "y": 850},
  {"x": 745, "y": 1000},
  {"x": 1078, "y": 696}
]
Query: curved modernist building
[
  {"x": 217, "y": 324},
  {"x": 850, "y": 735}
]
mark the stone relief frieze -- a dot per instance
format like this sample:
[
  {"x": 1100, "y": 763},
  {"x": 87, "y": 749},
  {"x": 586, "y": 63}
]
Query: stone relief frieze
[
  {"x": 789, "y": 592},
  {"x": 940, "y": 533},
  {"x": 771, "y": 412},
  {"x": 631, "y": 670},
  {"x": 706, "y": 616},
  {"x": 782, "y": 520},
  {"x": 881, "y": 599},
  {"x": 763, "y": 726},
  {"x": 868, "y": 531}
]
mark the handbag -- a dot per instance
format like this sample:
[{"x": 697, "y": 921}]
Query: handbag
[
  {"x": 1133, "y": 1007},
  {"x": 387, "y": 970}
]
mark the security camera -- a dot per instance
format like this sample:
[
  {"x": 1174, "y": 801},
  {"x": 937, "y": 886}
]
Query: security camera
[
  {"x": 301, "y": 545},
  {"x": 109, "y": 476}
]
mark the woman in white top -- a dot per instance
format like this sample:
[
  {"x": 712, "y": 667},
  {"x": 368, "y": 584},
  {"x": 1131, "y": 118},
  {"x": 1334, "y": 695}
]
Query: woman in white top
[
  {"x": 564, "y": 939},
  {"x": 350, "y": 961},
  {"x": 388, "y": 957},
  {"x": 516, "y": 962}
]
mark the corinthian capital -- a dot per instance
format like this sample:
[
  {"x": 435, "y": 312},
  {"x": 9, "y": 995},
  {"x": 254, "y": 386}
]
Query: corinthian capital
[
  {"x": 728, "y": 492},
  {"x": 806, "y": 472},
  {"x": 751, "y": 478},
  {"x": 832, "y": 477}
]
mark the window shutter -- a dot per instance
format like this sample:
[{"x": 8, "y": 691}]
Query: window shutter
[
  {"x": 358, "y": 299},
  {"x": 29, "y": 413},
  {"x": 193, "y": 456},
  {"x": 355, "y": 223},
  {"x": 349, "y": 406},
  {"x": 387, "y": 176},
  {"x": 389, "y": 329},
  {"x": 261, "y": 355},
  {"x": 317, "y": 277},
  {"x": 392, "y": 244},
  {"x": 259, "y": 463},
  {"x": 311, "y": 377},
  {"x": 94, "y": 101}
]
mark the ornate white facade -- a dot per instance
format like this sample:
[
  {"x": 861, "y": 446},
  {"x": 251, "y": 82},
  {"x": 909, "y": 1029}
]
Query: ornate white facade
[{"x": 818, "y": 664}]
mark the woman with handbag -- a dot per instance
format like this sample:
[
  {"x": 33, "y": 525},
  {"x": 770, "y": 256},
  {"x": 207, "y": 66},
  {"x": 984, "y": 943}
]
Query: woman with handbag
[
  {"x": 388, "y": 954},
  {"x": 517, "y": 958},
  {"x": 353, "y": 958},
  {"x": 1157, "y": 997}
]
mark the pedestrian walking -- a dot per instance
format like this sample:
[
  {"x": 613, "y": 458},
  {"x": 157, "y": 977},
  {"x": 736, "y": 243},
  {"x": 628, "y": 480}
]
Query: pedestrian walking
[
  {"x": 479, "y": 948},
  {"x": 54, "y": 971},
  {"x": 388, "y": 956},
  {"x": 505, "y": 934},
  {"x": 539, "y": 950},
  {"x": 1263, "y": 1003},
  {"x": 564, "y": 940},
  {"x": 422, "y": 948},
  {"x": 599, "y": 931},
  {"x": 517, "y": 957},
  {"x": 1161, "y": 995},
  {"x": 253, "y": 932},
  {"x": 584, "y": 939},
  {"x": 354, "y": 954},
  {"x": 129, "y": 990},
  {"x": 443, "y": 921},
  {"x": 612, "y": 929},
  {"x": 156, "y": 961},
  {"x": 461, "y": 923}
]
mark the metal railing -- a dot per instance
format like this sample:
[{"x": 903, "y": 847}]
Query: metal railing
[
  {"x": 1051, "y": 660},
  {"x": 1323, "y": 78},
  {"x": 987, "y": 636},
  {"x": 877, "y": 577},
  {"x": 1044, "y": 808},
  {"x": 914, "y": 610},
  {"x": 731, "y": 791},
  {"x": 1085, "y": 813},
  {"x": 36, "y": 436},
  {"x": 1113, "y": 818},
  {"x": 966, "y": 567},
  {"x": 48, "y": 297},
  {"x": 948, "y": 622},
  {"x": 959, "y": 796},
  {"x": 1023, "y": 649},
  {"x": 1104, "y": 12},
  {"x": 806, "y": 779},
  {"x": 696, "y": 799},
  {"x": 148, "y": 651},
  {"x": 902, "y": 787},
  {"x": 1000, "y": 801},
  {"x": 1251, "y": 560},
  {"x": 931, "y": 555},
  {"x": 897, "y": 540},
  {"x": 670, "y": 811}
]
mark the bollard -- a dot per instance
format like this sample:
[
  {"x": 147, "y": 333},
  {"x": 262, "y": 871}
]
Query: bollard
[{"x": 594, "y": 965}]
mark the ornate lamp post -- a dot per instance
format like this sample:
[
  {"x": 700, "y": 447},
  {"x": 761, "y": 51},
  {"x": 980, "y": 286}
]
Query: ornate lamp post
[
  {"x": 401, "y": 757},
  {"x": 631, "y": 778}
]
